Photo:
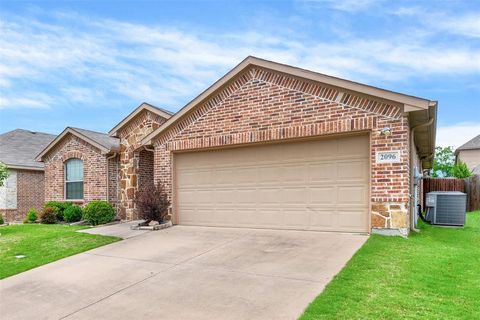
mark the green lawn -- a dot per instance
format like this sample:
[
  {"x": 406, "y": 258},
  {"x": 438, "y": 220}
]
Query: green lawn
[
  {"x": 42, "y": 244},
  {"x": 431, "y": 275}
]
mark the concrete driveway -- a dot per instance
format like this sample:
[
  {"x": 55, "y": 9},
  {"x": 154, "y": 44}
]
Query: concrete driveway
[{"x": 184, "y": 273}]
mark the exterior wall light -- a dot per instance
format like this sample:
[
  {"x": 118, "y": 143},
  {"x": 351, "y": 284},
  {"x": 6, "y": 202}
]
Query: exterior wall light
[{"x": 386, "y": 131}]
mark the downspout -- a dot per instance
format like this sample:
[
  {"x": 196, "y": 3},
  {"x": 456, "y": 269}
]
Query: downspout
[
  {"x": 412, "y": 177},
  {"x": 108, "y": 175}
]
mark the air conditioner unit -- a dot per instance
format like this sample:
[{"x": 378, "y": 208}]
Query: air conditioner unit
[{"x": 446, "y": 208}]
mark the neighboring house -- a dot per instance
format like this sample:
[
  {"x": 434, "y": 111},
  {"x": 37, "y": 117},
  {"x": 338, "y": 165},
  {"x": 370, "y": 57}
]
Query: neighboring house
[
  {"x": 24, "y": 187},
  {"x": 266, "y": 146},
  {"x": 470, "y": 154},
  {"x": 83, "y": 165}
]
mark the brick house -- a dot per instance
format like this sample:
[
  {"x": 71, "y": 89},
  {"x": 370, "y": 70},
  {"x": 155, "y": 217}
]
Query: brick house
[
  {"x": 272, "y": 146},
  {"x": 83, "y": 165},
  {"x": 24, "y": 187}
]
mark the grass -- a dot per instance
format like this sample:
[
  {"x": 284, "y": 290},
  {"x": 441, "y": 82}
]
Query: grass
[
  {"x": 434, "y": 274},
  {"x": 41, "y": 244}
]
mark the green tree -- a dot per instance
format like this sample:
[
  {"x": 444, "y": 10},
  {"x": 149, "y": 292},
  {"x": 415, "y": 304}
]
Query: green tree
[
  {"x": 443, "y": 162},
  {"x": 460, "y": 170},
  {"x": 3, "y": 173}
]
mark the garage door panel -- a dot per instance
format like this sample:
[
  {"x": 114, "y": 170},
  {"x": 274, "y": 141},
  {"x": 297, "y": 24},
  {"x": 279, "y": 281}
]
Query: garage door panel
[
  {"x": 352, "y": 170},
  {"x": 354, "y": 147},
  {"x": 310, "y": 185},
  {"x": 268, "y": 196},
  {"x": 267, "y": 174},
  {"x": 352, "y": 194},
  {"x": 294, "y": 196},
  {"x": 324, "y": 149},
  {"x": 243, "y": 175},
  {"x": 294, "y": 173},
  {"x": 246, "y": 196},
  {"x": 322, "y": 195},
  {"x": 324, "y": 172},
  {"x": 351, "y": 219},
  {"x": 322, "y": 218}
]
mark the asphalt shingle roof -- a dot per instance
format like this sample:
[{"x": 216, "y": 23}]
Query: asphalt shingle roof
[
  {"x": 20, "y": 147},
  {"x": 471, "y": 144},
  {"x": 103, "y": 139}
]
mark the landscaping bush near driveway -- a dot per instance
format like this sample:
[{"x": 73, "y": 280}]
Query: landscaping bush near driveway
[
  {"x": 32, "y": 216},
  {"x": 73, "y": 213},
  {"x": 48, "y": 215},
  {"x": 98, "y": 212},
  {"x": 26, "y": 246},
  {"x": 434, "y": 274},
  {"x": 152, "y": 203},
  {"x": 59, "y": 207}
]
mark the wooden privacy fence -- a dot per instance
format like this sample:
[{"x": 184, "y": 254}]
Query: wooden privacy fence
[
  {"x": 472, "y": 189},
  {"x": 470, "y": 186}
]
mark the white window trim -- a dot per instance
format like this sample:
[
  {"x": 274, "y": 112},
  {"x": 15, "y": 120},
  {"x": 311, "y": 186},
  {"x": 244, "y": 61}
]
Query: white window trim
[{"x": 65, "y": 182}]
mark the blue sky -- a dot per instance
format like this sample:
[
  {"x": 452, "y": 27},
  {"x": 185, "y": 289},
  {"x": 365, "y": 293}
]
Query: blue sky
[{"x": 89, "y": 63}]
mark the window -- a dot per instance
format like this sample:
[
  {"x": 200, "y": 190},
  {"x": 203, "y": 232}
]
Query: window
[{"x": 74, "y": 179}]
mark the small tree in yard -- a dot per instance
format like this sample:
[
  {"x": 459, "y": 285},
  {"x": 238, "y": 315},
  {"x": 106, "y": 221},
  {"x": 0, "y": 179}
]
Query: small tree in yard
[
  {"x": 3, "y": 173},
  {"x": 460, "y": 170},
  {"x": 443, "y": 162},
  {"x": 152, "y": 203}
]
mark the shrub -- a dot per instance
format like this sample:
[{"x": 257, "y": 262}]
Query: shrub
[
  {"x": 59, "y": 207},
  {"x": 48, "y": 215},
  {"x": 1, "y": 219},
  {"x": 152, "y": 203},
  {"x": 32, "y": 216},
  {"x": 73, "y": 213},
  {"x": 98, "y": 212},
  {"x": 460, "y": 170}
]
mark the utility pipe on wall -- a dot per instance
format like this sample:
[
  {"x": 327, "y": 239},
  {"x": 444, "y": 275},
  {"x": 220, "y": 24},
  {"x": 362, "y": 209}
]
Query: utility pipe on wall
[{"x": 412, "y": 177}]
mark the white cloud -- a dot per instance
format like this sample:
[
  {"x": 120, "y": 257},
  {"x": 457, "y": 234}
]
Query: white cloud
[
  {"x": 457, "y": 134},
  {"x": 96, "y": 61},
  {"x": 344, "y": 5},
  {"x": 467, "y": 25},
  {"x": 33, "y": 100}
]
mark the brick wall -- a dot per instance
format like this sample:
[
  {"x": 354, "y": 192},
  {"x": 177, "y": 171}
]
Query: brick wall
[
  {"x": 261, "y": 105},
  {"x": 29, "y": 195},
  {"x": 113, "y": 188},
  {"x": 94, "y": 169},
  {"x": 145, "y": 168},
  {"x": 30, "y": 191}
]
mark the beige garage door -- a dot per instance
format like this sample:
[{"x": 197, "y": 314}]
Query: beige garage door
[{"x": 309, "y": 185}]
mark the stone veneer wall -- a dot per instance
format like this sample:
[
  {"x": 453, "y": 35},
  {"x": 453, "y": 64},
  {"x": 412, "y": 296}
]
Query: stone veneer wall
[
  {"x": 130, "y": 150},
  {"x": 262, "y": 105}
]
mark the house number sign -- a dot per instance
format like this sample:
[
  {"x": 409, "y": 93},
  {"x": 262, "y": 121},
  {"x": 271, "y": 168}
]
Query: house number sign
[{"x": 388, "y": 156}]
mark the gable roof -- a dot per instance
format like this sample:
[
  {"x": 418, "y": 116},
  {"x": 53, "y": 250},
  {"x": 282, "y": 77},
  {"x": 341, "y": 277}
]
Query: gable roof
[
  {"x": 19, "y": 147},
  {"x": 143, "y": 106},
  {"x": 469, "y": 145},
  {"x": 409, "y": 103},
  {"x": 102, "y": 141}
]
